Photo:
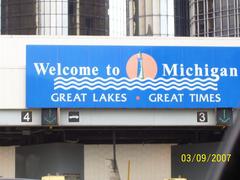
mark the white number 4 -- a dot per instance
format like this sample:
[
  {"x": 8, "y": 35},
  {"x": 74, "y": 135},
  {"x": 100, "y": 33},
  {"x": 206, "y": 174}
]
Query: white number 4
[{"x": 27, "y": 117}]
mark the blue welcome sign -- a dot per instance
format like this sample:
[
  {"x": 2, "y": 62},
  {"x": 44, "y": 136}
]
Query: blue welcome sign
[{"x": 132, "y": 76}]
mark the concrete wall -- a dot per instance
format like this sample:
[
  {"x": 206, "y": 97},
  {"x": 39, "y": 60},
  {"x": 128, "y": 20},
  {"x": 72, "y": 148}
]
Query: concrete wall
[
  {"x": 39, "y": 160},
  {"x": 7, "y": 162},
  {"x": 148, "y": 162},
  {"x": 139, "y": 117}
]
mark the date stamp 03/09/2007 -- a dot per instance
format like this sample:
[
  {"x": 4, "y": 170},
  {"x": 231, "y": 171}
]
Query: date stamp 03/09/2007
[{"x": 205, "y": 158}]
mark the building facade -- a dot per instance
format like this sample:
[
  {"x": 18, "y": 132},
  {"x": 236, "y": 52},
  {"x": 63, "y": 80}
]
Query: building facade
[
  {"x": 210, "y": 18},
  {"x": 157, "y": 17},
  {"x": 62, "y": 17}
]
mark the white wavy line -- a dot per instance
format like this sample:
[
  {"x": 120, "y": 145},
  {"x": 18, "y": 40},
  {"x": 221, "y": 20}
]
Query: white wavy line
[
  {"x": 132, "y": 84},
  {"x": 136, "y": 79},
  {"x": 136, "y": 87}
]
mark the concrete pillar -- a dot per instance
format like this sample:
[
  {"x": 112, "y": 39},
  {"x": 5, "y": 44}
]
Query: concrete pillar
[
  {"x": 142, "y": 20},
  {"x": 156, "y": 17},
  {"x": 7, "y": 162},
  {"x": 117, "y": 17},
  {"x": 163, "y": 17},
  {"x": 131, "y": 14},
  {"x": 192, "y": 19},
  {"x": 149, "y": 17},
  {"x": 171, "y": 22},
  {"x": 78, "y": 17}
]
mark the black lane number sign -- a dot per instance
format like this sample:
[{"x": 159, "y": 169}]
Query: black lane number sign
[
  {"x": 73, "y": 116},
  {"x": 202, "y": 117},
  {"x": 26, "y": 116}
]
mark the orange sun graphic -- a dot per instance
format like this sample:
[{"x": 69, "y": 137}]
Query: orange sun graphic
[{"x": 141, "y": 66}]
